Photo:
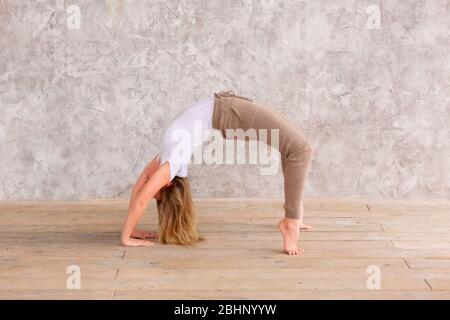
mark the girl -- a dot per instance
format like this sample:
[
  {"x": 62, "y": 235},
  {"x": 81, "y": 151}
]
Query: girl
[{"x": 165, "y": 177}]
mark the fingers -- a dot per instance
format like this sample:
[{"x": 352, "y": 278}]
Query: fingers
[
  {"x": 143, "y": 243},
  {"x": 133, "y": 242},
  {"x": 144, "y": 235},
  {"x": 137, "y": 235},
  {"x": 150, "y": 234},
  {"x": 147, "y": 243}
]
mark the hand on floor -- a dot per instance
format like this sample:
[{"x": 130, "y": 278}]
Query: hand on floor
[
  {"x": 131, "y": 242},
  {"x": 144, "y": 234}
]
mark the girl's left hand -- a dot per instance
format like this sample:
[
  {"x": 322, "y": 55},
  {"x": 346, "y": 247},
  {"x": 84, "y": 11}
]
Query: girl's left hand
[{"x": 136, "y": 234}]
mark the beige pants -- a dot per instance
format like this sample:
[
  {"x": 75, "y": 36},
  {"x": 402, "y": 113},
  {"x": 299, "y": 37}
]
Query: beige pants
[{"x": 237, "y": 112}]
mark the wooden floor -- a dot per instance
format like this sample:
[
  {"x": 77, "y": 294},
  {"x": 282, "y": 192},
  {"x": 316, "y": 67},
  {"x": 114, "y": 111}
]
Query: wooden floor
[{"x": 409, "y": 241}]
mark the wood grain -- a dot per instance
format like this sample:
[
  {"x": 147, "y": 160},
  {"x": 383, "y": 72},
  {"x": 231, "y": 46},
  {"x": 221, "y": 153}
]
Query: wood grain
[{"x": 241, "y": 257}]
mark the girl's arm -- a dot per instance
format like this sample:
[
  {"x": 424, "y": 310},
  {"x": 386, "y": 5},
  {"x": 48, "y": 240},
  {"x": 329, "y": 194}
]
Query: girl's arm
[
  {"x": 159, "y": 179},
  {"x": 148, "y": 171},
  {"x": 143, "y": 178}
]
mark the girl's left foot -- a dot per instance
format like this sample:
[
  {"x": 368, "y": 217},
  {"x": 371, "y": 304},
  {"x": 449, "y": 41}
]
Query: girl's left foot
[{"x": 304, "y": 227}]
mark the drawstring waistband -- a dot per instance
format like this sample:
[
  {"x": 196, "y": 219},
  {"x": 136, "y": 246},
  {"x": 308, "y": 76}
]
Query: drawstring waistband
[
  {"x": 220, "y": 107},
  {"x": 230, "y": 93}
]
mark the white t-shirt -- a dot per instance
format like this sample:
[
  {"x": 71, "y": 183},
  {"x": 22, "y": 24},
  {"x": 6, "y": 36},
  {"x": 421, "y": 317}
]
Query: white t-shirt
[{"x": 185, "y": 134}]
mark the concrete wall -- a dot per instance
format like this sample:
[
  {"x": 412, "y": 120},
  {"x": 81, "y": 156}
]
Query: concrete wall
[{"x": 82, "y": 109}]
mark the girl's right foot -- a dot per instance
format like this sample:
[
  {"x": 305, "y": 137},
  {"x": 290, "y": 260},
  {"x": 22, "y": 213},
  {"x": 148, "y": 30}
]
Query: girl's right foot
[
  {"x": 303, "y": 227},
  {"x": 290, "y": 230}
]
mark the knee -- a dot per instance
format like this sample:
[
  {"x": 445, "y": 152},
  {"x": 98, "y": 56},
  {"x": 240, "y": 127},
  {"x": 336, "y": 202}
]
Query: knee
[
  {"x": 304, "y": 151},
  {"x": 307, "y": 153},
  {"x": 308, "y": 150}
]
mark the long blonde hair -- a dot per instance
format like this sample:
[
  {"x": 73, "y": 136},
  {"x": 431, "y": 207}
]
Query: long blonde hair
[{"x": 177, "y": 214}]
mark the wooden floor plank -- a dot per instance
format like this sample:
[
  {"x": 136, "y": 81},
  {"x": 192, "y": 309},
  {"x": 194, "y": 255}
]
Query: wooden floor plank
[
  {"x": 241, "y": 257},
  {"x": 62, "y": 294},
  {"x": 285, "y": 295},
  {"x": 428, "y": 263},
  {"x": 441, "y": 284}
]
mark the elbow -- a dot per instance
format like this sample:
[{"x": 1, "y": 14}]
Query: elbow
[{"x": 138, "y": 207}]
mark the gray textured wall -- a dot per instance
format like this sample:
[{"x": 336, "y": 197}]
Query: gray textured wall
[{"x": 82, "y": 109}]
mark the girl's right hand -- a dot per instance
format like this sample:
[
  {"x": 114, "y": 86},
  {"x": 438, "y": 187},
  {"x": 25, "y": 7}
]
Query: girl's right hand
[{"x": 131, "y": 242}]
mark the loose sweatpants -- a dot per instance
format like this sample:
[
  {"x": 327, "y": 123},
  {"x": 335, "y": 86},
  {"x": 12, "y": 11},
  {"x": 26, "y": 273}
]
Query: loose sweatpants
[{"x": 232, "y": 111}]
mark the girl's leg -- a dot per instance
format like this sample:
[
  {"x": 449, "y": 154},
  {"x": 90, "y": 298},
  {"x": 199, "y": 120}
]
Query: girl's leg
[
  {"x": 297, "y": 160},
  {"x": 296, "y": 152},
  {"x": 303, "y": 226}
]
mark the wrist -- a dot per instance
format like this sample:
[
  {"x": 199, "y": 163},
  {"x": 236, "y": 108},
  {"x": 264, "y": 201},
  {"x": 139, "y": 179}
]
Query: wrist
[
  {"x": 124, "y": 240},
  {"x": 292, "y": 222}
]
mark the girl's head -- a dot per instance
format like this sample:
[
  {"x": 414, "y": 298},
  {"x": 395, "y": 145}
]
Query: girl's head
[{"x": 177, "y": 214}]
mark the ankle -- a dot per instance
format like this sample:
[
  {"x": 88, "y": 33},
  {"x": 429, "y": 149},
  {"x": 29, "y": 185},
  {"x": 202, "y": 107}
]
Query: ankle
[{"x": 291, "y": 223}]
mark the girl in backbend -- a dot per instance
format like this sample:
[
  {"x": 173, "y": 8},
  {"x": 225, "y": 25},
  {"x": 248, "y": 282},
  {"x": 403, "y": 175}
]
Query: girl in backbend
[{"x": 165, "y": 177}]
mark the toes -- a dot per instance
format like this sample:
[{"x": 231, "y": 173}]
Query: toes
[
  {"x": 294, "y": 252},
  {"x": 290, "y": 252}
]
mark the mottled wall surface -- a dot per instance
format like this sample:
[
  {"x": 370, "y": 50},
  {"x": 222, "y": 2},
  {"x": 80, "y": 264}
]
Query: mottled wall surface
[{"x": 82, "y": 109}]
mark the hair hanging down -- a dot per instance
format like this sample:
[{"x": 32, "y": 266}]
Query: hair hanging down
[{"x": 177, "y": 214}]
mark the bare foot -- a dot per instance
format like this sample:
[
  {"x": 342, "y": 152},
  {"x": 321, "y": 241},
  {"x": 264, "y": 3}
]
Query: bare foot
[
  {"x": 131, "y": 242},
  {"x": 290, "y": 230},
  {"x": 304, "y": 227}
]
